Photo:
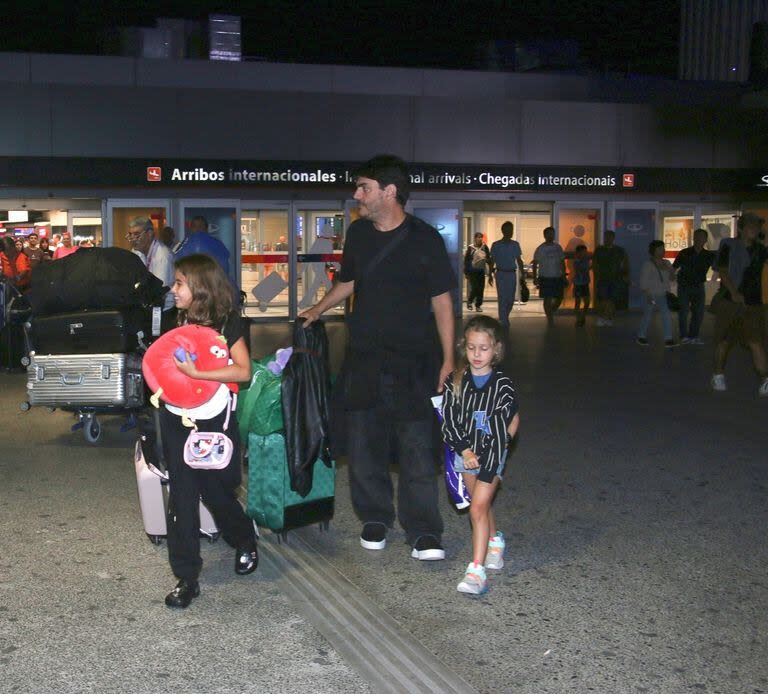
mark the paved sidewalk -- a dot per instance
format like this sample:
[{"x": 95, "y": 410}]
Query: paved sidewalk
[
  {"x": 635, "y": 507},
  {"x": 82, "y": 588}
]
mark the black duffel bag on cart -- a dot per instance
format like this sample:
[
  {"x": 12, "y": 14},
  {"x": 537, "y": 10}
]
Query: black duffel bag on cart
[{"x": 93, "y": 278}]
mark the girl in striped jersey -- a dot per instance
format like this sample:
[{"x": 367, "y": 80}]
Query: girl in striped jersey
[{"x": 479, "y": 419}]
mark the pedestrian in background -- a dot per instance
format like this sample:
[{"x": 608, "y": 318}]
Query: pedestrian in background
[
  {"x": 738, "y": 306},
  {"x": 506, "y": 259},
  {"x": 66, "y": 248},
  {"x": 167, "y": 236},
  {"x": 581, "y": 267},
  {"x": 477, "y": 263},
  {"x": 656, "y": 276},
  {"x": 610, "y": 265},
  {"x": 549, "y": 272},
  {"x": 692, "y": 265}
]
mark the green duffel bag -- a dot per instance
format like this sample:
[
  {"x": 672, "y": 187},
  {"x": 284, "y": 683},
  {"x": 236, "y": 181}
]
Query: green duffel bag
[
  {"x": 271, "y": 501},
  {"x": 259, "y": 407}
]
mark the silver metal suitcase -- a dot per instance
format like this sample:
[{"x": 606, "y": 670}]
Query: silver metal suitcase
[{"x": 85, "y": 380}]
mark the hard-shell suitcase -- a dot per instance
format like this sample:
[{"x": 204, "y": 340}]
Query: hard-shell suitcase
[
  {"x": 271, "y": 501},
  {"x": 152, "y": 484},
  {"x": 85, "y": 380},
  {"x": 86, "y": 332}
]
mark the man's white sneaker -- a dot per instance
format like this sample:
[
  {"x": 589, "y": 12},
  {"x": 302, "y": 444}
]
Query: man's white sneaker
[
  {"x": 373, "y": 536},
  {"x": 428, "y": 548},
  {"x": 718, "y": 382},
  {"x": 494, "y": 559},
  {"x": 600, "y": 322},
  {"x": 685, "y": 340},
  {"x": 474, "y": 581},
  {"x": 762, "y": 391},
  {"x": 697, "y": 341}
]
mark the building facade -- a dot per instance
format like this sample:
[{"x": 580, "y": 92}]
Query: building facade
[{"x": 264, "y": 152}]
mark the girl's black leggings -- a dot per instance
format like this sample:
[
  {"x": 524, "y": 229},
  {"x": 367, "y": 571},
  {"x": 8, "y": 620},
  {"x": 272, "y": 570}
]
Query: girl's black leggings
[{"x": 216, "y": 487}]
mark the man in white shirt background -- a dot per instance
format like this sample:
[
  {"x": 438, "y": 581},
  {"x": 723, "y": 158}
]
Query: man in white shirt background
[
  {"x": 156, "y": 255},
  {"x": 549, "y": 272}
]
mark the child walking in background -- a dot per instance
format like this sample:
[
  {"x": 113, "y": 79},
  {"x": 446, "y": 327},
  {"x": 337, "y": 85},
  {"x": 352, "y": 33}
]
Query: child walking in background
[
  {"x": 581, "y": 268},
  {"x": 203, "y": 296},
  {"x": 480, "y": 417}
]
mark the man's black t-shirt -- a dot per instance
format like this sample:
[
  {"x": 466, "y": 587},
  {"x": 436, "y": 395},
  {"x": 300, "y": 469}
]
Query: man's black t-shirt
[
  {"x": 392, "y": 307},
  {"x": 693, "y": 266}
]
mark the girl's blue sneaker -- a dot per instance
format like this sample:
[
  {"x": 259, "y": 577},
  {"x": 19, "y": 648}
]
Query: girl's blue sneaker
[
  {"x": 494, "y": 559},
  {"x": 474, "y": 581}
]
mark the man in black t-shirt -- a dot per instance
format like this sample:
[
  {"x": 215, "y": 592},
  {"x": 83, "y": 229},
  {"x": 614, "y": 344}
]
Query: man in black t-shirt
[
  {"x": 692, "y": 265},
  {"x": 399, "y": 271}
]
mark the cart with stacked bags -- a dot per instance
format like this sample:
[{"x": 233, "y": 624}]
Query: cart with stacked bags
[
  {"x": 91, "y": 316},
  {"x": 284, "y": 418}
]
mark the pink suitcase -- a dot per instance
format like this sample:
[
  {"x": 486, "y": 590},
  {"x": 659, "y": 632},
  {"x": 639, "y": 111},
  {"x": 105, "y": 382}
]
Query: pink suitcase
[{"x": 152, "y": 484}]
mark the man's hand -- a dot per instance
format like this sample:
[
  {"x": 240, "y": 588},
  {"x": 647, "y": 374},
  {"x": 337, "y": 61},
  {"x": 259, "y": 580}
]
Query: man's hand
[
  {"x": 309, "y": 316},
  {"x": 445, "y": 371}
]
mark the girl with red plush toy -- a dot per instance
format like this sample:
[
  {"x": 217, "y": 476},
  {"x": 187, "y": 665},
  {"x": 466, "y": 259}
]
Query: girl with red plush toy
[{"x": 203, "y": 296}]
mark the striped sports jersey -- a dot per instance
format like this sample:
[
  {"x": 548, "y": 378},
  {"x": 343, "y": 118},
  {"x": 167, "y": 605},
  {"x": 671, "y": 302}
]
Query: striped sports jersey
[{"x": 479, "y": 421}]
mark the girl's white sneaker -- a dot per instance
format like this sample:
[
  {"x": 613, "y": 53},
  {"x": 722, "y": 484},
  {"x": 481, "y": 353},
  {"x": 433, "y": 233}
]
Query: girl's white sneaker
[
  {"x": 494, "y": 559},
  {"x": 475, "y": 581}
]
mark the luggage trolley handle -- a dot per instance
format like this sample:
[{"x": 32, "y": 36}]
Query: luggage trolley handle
[{"x": 72, "y": 379}]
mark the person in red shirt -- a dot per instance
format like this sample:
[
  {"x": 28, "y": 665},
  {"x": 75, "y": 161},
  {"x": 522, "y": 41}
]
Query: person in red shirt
[
  {"x": 66, "y": 247},
  {"x": 16, "y": 267}
]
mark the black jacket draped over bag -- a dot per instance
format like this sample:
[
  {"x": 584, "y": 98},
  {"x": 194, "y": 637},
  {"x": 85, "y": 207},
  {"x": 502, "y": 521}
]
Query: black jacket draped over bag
[{"x": 305, "y": 397}]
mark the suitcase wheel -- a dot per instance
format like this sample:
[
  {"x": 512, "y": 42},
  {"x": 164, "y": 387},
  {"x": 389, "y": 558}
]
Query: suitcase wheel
[
  {"x": 212, "y": 537},
  {"x": 91, "y": 428},
  {"x": 324, "y": 526},
  {"x": 155, "y": 539}
]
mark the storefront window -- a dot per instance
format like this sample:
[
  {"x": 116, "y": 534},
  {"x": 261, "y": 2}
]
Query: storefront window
[{"x": 677, "y": 231}]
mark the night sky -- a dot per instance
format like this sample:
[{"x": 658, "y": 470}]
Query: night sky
[{"x": 628, "y": 36}]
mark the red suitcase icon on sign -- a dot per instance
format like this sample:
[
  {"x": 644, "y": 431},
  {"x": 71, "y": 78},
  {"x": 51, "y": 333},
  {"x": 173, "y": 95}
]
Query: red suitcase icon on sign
[
  {"x": 628, "y": 180},
  {"x": 154, "y": 173}
]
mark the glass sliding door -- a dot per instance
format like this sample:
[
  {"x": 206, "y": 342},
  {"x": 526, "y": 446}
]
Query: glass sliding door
[
  {"x": 85, "y": 226},
  {"x": 265, "y": 274},
  {"x": 121, "y": 213},
  {"x": 447, "y": 218},
  {"x": 676, "y": 229},
  {"x": 318, "y": 236},
  {"x": 575, "y": 226},
  {"x": 222, "y": 219}
]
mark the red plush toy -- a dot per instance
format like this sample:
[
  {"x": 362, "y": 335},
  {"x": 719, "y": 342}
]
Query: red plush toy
[{"x": 207, "y": 348}]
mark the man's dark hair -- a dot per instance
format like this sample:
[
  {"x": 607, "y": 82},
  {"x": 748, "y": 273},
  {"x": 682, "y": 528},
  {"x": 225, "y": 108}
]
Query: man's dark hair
[
  {"x": 387, "y": 169},
  {"x": 507, "y": 228},
  {"x": 549, "y": 230},
  {"x": 610, "y": 232},
  {"x": 653, "y": 245},
  {"x": 200, "y": 218},
  {"x": 700, "y": 231},
  {"x": 581, "y": 247},
  {"x": 479, "y": 233}
]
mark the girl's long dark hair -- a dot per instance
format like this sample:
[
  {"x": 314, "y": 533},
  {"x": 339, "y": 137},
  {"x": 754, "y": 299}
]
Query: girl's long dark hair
[
  {"x": 210, "y": 288},
  {"x": 478, "y": 324}
]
